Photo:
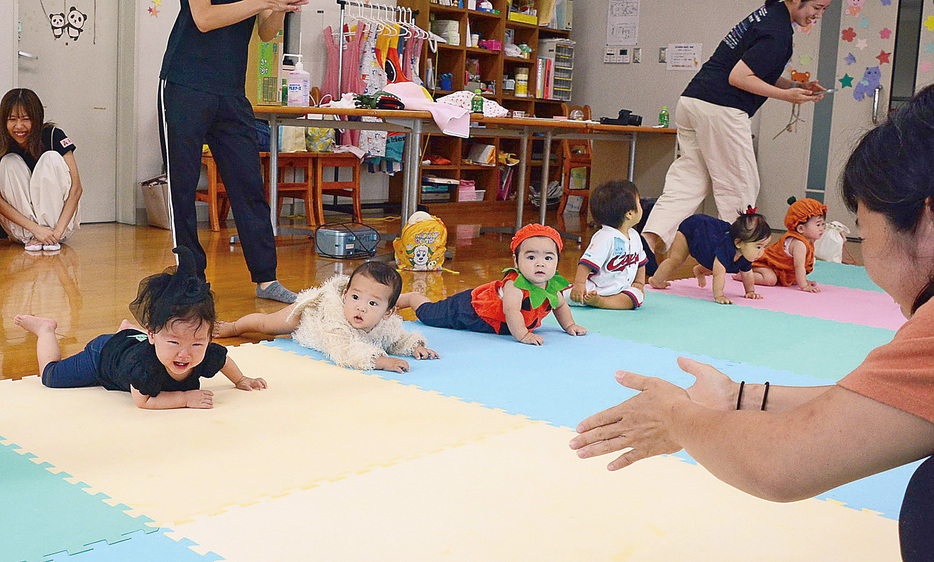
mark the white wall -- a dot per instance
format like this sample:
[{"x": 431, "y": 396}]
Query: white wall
[{"x": 8, "y": 58}]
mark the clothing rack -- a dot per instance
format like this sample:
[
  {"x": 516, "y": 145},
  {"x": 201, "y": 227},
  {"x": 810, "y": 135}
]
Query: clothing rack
[{"x": 359, "y": 4}]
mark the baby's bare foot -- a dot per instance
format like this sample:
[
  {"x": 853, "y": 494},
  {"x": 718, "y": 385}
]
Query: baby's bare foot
[
  {"x": 700, "y": 272},
  {"x": 225, "y": 329},
  {"x": 35, "y": 324}
]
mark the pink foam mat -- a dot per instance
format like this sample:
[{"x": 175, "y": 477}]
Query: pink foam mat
[{"x": 841, "y": 304}]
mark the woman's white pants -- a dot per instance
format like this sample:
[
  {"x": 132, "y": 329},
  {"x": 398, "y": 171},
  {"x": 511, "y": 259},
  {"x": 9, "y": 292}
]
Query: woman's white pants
[
  {"x": 40, "y": 196},
  {"x": 716, "y": 154}
]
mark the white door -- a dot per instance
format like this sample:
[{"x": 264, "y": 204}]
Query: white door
[{"x": 75, "y": 75}]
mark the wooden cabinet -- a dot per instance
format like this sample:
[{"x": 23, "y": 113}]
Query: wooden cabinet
[{"x": 491, "y": 68}]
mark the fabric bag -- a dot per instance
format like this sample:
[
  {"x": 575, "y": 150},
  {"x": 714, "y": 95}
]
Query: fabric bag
[
  {"x": 830, "y": 246},
  {"x": 422, "y": 244},
  {"x": 319, "y": 139}
]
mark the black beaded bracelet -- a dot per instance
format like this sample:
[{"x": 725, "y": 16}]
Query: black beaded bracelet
[
  {"x": 739, "y": 397},
  {"x": 765, "y": 395}
]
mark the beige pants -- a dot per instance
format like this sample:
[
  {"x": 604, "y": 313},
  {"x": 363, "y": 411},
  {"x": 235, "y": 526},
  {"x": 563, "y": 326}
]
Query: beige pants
[
  {"x": 40, "y": 196},
  {"x": 717, "y": 154}
]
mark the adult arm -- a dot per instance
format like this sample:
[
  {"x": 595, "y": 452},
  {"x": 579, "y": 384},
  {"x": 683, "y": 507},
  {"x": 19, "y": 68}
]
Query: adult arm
[
  {"x": 74, "y": 195},
  {"x": 824, "y": 442},
  {"x": 744, "y": 78},
  {"x": 209, "y": 17}
]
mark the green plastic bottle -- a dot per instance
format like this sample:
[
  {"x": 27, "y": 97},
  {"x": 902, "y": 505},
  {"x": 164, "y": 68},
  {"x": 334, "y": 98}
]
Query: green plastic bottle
[
  {"x": 476, "y": 104},
  {"x": 663, "y": 116}
]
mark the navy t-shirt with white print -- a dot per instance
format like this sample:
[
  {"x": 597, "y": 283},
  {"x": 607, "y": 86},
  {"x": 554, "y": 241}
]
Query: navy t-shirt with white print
[
  {"x": 763, "y": 41},
  {"x": 53, "y": 138}
]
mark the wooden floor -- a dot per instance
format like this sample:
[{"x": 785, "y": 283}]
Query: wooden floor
[{"x": 88, "y": 285}]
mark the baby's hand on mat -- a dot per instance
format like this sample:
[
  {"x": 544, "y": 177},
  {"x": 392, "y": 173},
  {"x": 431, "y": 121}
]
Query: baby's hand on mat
[
  {"x": 811, "y": 288},
  {"x": 753, "y": 295},
  {"x": 576, "y": 330},
  {"x": 201, "y": 399},
  {"x": 422, "y": 352},
  {"x": 246, "y": 383},
  {"x": 532, "y": 338},
  {"x": 722, "y": 300},
  {"x": 386, "y": 363}
]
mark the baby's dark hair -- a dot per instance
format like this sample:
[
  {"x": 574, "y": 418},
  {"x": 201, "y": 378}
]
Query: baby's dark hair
[
  {"x": 382, "y": 274},
  {"x": 750, "y": 227},
  {"x": 610, "y": 202},
  {"x": 175, "y": 295}
]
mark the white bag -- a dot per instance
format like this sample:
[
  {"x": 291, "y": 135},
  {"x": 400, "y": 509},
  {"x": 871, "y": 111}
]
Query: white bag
[{"x": 830, "y": 246}]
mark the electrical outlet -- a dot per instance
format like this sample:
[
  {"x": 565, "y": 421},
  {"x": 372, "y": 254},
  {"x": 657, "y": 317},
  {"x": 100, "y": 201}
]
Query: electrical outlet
[
  {"x": 663, "y": 54},
  {"x": 637, "y": 54}
]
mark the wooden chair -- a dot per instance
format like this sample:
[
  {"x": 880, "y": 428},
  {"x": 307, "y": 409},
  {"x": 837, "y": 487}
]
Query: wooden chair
[
  {"x": 575, "y": 154},
  {"x": 304, "y": 189},
  {"x": 346, "y": 188}
]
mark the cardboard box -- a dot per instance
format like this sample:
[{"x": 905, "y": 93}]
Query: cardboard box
[
  {"x": 156, "y": 194},
  {"x": 263, "y": 85}
]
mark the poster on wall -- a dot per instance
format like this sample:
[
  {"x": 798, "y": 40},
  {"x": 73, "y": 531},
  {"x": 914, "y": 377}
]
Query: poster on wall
[
  {"x": 622, "y": 24},
  {"x": 684, "y": 56}
]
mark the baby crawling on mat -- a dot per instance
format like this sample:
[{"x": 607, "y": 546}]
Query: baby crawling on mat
[
  {"x": 161, "y": 366},
  {"x": 514, "y": 305},
  {"x": 351, "y": 320}
]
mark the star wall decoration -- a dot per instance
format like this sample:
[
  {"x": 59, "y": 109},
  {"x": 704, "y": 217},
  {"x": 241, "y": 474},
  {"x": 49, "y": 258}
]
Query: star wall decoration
[
  {"x": 846, "y": 81},
  {"x": 884, "y": 57},
  {"x": 925, "y": 66},
  {"x": 850, "y": 59},
  {"x": 929, "y": 23},
  {"x": 861, "y": 44}
]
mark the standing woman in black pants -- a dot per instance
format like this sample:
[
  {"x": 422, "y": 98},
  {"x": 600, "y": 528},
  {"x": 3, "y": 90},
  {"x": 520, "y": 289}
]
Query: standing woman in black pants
[{"x": 202, "y": 100}]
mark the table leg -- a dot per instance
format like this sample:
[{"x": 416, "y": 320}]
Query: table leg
[
  {"x": 274, "y": 172},
  {"x": 410, "y": 172},
  {"x": 632, "y": 156},
  {"x": 523, "y": 167},
  {"x": 543, "y": 188}
]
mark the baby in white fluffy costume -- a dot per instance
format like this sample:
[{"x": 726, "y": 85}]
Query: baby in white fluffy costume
[{"x": 351, "y": 320}]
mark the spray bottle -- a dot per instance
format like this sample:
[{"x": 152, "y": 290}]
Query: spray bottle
[{"x": 298, "y": 84}]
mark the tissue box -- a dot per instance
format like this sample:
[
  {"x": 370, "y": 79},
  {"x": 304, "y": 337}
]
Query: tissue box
[{"x": 476, "y": 195}]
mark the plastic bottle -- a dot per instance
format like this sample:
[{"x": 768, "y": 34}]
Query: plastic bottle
[
  {"x": 298, "y": 83},
  {"x": 285, "y": 92},
  {"x": 663, "y": 116},
  {"x": 476, "y": 104}
]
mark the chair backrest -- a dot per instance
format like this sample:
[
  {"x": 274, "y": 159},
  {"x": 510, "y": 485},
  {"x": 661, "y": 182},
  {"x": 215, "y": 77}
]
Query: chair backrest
[{"x": 576, "y": 149}]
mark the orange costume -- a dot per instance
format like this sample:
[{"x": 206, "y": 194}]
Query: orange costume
[
  {"x": 777, "y": 258},
  {"x": 537, "y": 303}
]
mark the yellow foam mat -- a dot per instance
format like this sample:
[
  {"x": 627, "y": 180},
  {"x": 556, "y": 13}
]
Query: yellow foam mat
[
  {"x": 524, "y": 495},
  {"x": 315, "y": 422}
]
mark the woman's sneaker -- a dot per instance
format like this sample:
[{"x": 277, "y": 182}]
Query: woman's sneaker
[
  {"x": 33, "y": 246},
  {"x": 51, "y": 247}
]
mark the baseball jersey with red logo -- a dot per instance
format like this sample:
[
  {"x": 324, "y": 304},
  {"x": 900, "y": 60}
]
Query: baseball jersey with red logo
[{"x": 614, "y": 259}]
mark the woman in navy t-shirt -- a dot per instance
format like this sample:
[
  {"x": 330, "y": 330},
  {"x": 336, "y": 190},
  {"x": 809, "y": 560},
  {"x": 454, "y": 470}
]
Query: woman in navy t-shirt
[
  {"x": 714, "y": 112},
  {"x": 39, "y": 183}
]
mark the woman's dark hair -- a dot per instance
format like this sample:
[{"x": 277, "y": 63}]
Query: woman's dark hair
[
  {"x": 32, "y": 106},
  {"x": 750, "y": 227},
  {"x": 891, "y": 170},
  {"x": 382, "y": 274},
  {"x": 175, "y": 295},
  {"x": 773, "y": 2},
  {"x": 610, "y": 202}
]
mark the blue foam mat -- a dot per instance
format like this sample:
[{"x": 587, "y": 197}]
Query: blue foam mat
[
  {"x": 573, "y": 377},
  {"x": 840, "y": 275},
  {"x": 139, "y": 547}
]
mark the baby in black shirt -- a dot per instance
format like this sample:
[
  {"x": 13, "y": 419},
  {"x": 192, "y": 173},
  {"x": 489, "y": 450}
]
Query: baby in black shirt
[{"x": 160, "y": 366}]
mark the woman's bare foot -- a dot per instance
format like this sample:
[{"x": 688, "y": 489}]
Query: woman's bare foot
[
  {"x": 225, "y": 329},
  {"x": 35, "y": 324},
  {"x": 700, "y": 272},
  {"x": 659, "y": 283}
]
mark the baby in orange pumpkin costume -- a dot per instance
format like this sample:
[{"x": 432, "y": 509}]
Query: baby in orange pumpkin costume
[{"x": 790, "y": 260}]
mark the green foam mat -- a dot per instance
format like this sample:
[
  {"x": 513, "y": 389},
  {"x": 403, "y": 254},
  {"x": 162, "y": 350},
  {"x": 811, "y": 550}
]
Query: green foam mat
[
  {"x": 841, "y": 275},
  {"x": 804, "y": 345},
  {"x": 43, "y": 513}
]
